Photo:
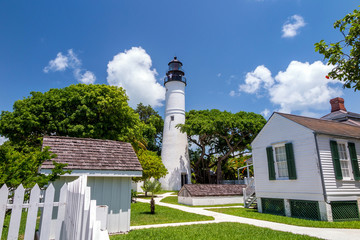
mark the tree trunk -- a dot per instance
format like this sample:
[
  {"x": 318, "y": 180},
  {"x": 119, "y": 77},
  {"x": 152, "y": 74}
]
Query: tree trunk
[
  {"x": 218, "y": 171},
  {"x": 152, "y": 205}
]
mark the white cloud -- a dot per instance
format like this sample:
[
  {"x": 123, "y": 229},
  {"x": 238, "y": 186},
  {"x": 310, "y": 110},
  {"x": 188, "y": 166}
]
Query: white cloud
[
  {"x": 255, "y": 79},
  {"x": 301, "y": 87},
  {"x": 292, "y": 25},
  {"x": 232, "y": 93},
  {"x": 2, "y": 140},
  {"x": 60, "y": 63},
  {"x": 218, "y": 75},
  {"x": 87, "y": 77},
  {"x": 265, "y": 113},
  {"x": 72, "y": 62},
  {"x": 131, "y": 70}
]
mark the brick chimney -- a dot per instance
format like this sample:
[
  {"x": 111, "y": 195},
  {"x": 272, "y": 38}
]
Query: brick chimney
[{"x": 337, "y": 104}]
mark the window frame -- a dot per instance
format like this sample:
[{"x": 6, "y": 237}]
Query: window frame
[
  {"x": 350, "y": 167},
  {"x": 274, "y": 146}
]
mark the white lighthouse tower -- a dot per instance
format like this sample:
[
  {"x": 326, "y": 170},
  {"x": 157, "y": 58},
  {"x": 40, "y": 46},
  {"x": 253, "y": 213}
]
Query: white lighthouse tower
[{"x": 174, "y": 152}]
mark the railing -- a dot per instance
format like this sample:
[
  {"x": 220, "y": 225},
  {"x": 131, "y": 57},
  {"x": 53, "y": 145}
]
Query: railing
[
  {"x": 249, "y": 192},
  {"x": 175, "y": 78},
  {"x": 76, "y": 215}
]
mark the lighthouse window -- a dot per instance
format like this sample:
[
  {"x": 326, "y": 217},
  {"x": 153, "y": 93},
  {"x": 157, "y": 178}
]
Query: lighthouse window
[{"x": 172, "y": 118}]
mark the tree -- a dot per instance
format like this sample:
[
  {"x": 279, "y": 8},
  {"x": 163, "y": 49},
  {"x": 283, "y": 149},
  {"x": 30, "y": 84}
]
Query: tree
[
  {"x": 153, "y": 128},
  {"x": 153, "y": 187},
  {"x": 219, "y": 136},
  {"x": 88, "y": 111},
  {"x": 21, "y": 167},
  {"x": 344, "y": 54},
  {"x": 152, "y": 166}
]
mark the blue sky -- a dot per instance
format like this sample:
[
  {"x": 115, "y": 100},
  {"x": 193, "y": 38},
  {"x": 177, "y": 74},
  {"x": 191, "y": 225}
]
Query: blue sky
[{"x": 248, "y": 55}]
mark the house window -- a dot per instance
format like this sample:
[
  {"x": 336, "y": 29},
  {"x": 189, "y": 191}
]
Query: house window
[
  {"x": 344, "y": 161},
  {"x": 172, "y": 118},
  {"x": 281, "y": 163}
]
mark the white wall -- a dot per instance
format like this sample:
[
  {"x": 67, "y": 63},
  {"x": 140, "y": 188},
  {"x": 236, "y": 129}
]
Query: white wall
[
  {"x": 307, "y": 186},
  {"x": 210, "y": 200},
  {"x": 174, "y": 151},
  {"x": 337, "y": 190},
  {"x": 115, "y": 192}
]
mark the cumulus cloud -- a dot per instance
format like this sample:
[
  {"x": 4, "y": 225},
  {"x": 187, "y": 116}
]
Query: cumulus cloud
[
  {"x": 232, "y": 93},
  {"x": 261, "y": 76},
  {"x": 132, "y": 71},
  {"x": 72, "y": 62},
  {"x": 265, "y": 112},
  {"x": 301, "y": 87},
  {"x": 2, "y": 140},
  {"x": 292, "y": 25}
]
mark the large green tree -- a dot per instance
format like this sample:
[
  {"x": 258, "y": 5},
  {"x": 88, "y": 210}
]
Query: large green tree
[
  {"x": 153, "y": 127},
  {"x": 344, "y": 55},
  {"x": 219, "y": 135},
  {"x": 89, "y": 111}
]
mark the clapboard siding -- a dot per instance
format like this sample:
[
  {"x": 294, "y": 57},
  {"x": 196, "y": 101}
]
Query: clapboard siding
[
  {"x": 335, "y": 189},
  {"x": 115, "y": 192},
  {"x": 307, "y": 186}
]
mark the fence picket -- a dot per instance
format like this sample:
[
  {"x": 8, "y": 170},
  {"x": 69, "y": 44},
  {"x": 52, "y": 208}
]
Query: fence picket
[
  {"x": 61, "y": 212},
  {"x": 4, "y": 192},
  {"x": 86, "y": 209},
  {"x": 32, "y": 213},
  {"x": 45, "y": 226},
  {"x": 76, "y": 218},
  {"x": 16, "y": 213}
]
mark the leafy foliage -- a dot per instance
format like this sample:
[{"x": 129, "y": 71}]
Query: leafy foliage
[
  {"x": 88, "y": 111},
  {"x": 154, "y": 124},
  {"x": 218, "y": 136},
  {"x": 18, "y": 167},
  {"x": 152, "y": 165},
  {"x": 344, "y": 54}
]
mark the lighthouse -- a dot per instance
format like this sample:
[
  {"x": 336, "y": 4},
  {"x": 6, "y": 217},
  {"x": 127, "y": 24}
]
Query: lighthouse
[{"x": 174, "y": 152}]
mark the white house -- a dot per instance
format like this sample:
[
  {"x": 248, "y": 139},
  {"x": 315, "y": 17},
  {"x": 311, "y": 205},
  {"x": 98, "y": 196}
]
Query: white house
[
  {"x": 109, "y": 165},
  {"x": 307, "y": 167}
]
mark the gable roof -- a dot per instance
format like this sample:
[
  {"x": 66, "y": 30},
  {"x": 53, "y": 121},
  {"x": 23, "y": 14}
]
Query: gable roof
[
  {"x": 91, "y": 154},
  {"x": 202, "y": 190},
  {"x": 325, "y": 126}
]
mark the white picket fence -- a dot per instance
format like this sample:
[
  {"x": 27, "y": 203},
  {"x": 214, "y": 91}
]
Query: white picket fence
[{"x": 76, "y": 215}]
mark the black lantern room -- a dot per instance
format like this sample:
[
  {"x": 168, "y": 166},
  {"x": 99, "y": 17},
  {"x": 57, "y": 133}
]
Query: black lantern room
[{"x": 175, "y": 72}]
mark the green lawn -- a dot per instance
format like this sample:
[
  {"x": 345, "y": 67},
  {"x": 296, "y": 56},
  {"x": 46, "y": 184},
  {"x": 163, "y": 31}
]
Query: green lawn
[
  {"x": 140, "y": 215},
  {"x": 209, "y": 232},
  {"x": 251, "y": 213},
  {"x": 174, "y": 200}
]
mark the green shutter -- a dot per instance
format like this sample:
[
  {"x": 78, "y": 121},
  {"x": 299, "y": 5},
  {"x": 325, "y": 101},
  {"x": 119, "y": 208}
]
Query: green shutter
[
  {"x": 271, "y": 167},
  {"x": 354, "y": 161},
  {"x": 290, "y": 160},
  {"x": 336, "y": 159}
]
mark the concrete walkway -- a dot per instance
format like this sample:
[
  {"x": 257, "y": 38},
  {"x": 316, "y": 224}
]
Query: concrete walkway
[{"x": 324, "y": 233}]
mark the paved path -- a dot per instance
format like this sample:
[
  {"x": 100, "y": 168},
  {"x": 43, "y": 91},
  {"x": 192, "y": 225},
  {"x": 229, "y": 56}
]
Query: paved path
[{"x": 324, "y": 233}]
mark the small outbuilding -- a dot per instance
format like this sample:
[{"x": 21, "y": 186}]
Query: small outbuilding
[
  {"x": 210, "y": 194},
  {"x": 109, "y": 165}
]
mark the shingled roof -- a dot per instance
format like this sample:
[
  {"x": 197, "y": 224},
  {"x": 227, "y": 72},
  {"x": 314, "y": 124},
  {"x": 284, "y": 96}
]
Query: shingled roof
[
  {"x": 203, "y": 190},
  {"x": 91, "y": 154},
  {"x": 328, "y": 127}
]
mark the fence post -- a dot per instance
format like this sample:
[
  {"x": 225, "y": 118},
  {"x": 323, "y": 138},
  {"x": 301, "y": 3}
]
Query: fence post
[
  {"x": 4, "y": 192},
  {"x": 47, "y": 213},
  {"x": 16, "y": 213},
  {"x": 32, "y": 213}
]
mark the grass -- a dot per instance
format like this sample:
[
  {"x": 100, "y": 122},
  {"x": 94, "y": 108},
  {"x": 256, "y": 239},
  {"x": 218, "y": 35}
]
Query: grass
[
  {"x": 209, "y": 232},
  {"x": 251, "y": 213},
  {"x": 174, "y": 200},
  {"x": 140, "y": 215}
]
